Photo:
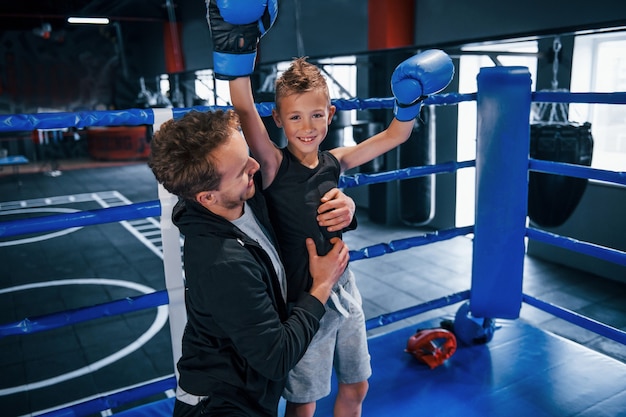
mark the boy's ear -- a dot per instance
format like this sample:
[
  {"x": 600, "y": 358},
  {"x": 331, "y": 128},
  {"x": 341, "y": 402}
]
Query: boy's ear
[
  {"x": 276, "y": 118},
  {"x": 331, "y": 112}
]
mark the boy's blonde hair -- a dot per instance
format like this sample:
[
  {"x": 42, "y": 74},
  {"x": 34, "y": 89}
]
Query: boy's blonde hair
[{"x": 300, "y": 77}]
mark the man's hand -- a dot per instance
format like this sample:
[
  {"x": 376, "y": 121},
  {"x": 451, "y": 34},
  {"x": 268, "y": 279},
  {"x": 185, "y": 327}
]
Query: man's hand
[
  {"x": 336, "y": 211},
  {"x": 327, "y": 269}
]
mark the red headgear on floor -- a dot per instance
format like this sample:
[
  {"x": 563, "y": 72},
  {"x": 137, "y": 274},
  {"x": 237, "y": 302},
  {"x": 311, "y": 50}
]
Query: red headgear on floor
[{"x": 432, "y": 346}]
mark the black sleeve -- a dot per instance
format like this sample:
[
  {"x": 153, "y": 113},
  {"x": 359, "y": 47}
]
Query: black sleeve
[{"x": 239, "y": 300}]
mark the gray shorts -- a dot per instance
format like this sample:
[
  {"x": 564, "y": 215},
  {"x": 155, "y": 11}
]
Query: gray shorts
[{"x": 342, "y": 337}]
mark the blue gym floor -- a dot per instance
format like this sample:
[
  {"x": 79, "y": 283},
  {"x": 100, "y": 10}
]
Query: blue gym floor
[
  {"x": 538, "y": 365},
  {"x": 524, "y": 371}
]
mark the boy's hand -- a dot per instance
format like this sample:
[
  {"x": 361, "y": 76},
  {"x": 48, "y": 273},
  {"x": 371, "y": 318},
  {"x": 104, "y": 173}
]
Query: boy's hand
[
  {"x": 413, "y": 80},
  {"x": 336, "y": 211},
  {"x": 236, "y": 27}
]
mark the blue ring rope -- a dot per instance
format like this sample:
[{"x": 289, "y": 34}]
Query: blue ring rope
[
  {"x": 136, "y": 117},
  {"x": 568, "y": 97},
  {"x": 107, "y": 402},
  {"x": 79, "y": 315},
  {"x": 582, "y": 321},
  {"x": 579, "y": 171},
  {"x": 597, "y": 251},
  {"x": 347, "y": 181},
  {"x": 385, "y": 319},
  {"x": 82, "y": 218},
  {"x": 380, "y": 249}
]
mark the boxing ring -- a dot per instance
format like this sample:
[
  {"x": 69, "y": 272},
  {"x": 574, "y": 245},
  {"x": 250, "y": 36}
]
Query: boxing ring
[{"x": 521, "y": 371}]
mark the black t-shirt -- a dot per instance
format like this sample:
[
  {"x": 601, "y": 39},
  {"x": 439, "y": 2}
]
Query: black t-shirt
[{"x": 293, "y": 199}]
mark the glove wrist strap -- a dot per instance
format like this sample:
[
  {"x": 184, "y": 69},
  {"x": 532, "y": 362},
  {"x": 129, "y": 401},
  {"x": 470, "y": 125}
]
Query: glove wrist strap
[
  {"x": 404, "y": 112},
  {"x": 228, "y": 66}
]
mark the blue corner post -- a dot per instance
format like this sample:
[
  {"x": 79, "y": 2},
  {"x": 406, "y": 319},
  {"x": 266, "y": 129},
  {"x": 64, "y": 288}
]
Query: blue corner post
[{"x": 502, "y": 149}]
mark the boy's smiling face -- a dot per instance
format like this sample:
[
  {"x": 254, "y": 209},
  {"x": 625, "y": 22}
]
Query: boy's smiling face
[{"x": 305, "y": 118}]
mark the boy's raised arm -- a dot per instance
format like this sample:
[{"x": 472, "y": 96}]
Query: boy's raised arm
[
  {"x": 254, "y": 131},
  {"x": 412, "y": 81},
  {"x": 236, "y": 28}
]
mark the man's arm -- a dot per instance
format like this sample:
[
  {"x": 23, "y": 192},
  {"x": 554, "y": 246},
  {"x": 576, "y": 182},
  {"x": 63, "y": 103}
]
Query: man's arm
[
  {"x": 235, "y": 296},
  {"x": 246, "y": 314}
]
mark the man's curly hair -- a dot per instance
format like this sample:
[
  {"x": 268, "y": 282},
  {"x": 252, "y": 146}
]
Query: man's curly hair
[{"x": 180, "y": 156}]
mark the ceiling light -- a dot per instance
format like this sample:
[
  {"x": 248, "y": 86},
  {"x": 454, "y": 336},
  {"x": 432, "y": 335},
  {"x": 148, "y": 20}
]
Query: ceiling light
[{"x": 88, "y": 20}]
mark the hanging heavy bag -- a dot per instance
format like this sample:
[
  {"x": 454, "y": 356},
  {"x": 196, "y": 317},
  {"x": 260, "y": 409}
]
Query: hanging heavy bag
[{"x": 553, "y": 198}]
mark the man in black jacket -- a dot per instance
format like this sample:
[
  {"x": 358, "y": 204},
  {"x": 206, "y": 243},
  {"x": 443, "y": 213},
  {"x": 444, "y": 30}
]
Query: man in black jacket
[{"x": 240, "y": 341}]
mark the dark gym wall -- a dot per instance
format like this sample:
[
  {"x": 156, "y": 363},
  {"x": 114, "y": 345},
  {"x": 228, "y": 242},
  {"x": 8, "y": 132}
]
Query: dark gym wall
[
  {"x": 317, "y": 29},
  {"x": 340, "y": 27},
  {"x": 460, "y": 21},
  {"x": 37, "y": 73},
  {"x": 196, "y": 37},
  {"x": 302, "y": 28}
]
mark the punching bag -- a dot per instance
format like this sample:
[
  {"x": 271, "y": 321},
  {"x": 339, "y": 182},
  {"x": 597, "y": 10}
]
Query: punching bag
[
  {"x": 416, "y": 202},
  {"x": 553, "y": 198}
]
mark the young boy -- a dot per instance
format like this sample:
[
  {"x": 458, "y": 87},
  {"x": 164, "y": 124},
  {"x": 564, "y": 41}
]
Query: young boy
[{"x": 294, "y": 180}]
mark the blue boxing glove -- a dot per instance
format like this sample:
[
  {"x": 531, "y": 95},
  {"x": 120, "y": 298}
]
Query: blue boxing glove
[
  {"x": 236, "y": 27},
  {"x": 416, "y": 78}
]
